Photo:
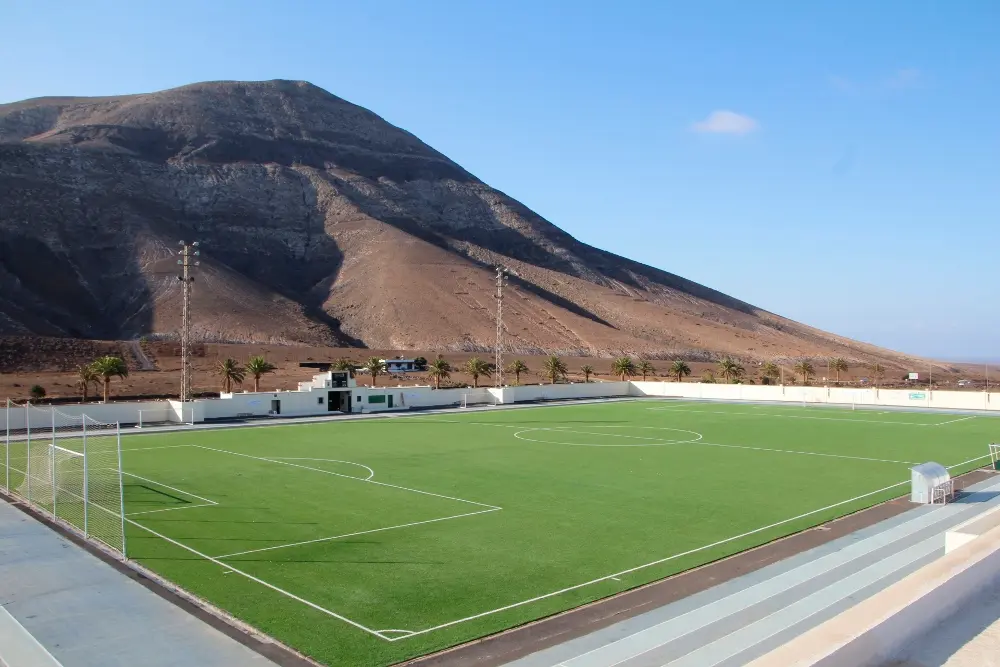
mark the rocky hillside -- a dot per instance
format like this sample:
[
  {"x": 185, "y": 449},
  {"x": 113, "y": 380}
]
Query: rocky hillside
[{"x": 321, "y": 223}]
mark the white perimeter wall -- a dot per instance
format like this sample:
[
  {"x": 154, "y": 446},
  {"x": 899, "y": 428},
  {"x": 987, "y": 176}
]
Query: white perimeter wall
[
  {"x": 306, "y": 403},
  {"x": 909, "y": 398},
  {"x": 67, "y": 415}
]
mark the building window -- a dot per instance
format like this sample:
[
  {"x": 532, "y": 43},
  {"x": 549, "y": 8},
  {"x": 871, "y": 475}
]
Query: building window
[
  {"x": 319, "y": 400},
  {"x": 377, "y": 399},
  {"x": 359, "y": 399}
]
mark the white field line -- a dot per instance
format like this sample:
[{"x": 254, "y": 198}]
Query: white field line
[
  {"x": 171, "y": 509},
  {"x": 701, "y": 443},
  {"x": 165, "y": 486},
  {"x": 371, "y": 473},
  {"x": 146, "y": 449},
  {"x": 358, "y": 479},
  {"x": 762, "y": 414},
  {"x": 646, "y": 565},
  {"x": 260, "y": 581},
  {"x": 789, "y": 451},
  {"x": 954, "y": 420},
  {"x": 978, "y": 458},
  {"x": 361, "y": 532}
]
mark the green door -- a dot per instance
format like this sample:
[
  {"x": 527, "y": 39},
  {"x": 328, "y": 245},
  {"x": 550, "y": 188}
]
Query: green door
[{"x": 390, "y": 400}]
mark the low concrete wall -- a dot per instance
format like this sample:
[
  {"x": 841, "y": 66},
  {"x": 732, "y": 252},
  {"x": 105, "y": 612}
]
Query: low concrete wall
[
  {"x": 915, "y": 398},
  {"x": 559, "y": 392},
  {"x": 881, "y": 628}
]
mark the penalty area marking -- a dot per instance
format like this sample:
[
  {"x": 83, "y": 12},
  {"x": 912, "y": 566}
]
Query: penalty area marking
[
  {"x": 371, "y": 473},
  {"x": 207, "y": 502}
]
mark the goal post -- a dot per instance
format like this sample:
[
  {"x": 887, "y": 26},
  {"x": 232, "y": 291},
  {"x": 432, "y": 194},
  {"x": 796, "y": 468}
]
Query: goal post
[
  {"x": 995, "y": 455},
  {"x": 69, "y": 467}
]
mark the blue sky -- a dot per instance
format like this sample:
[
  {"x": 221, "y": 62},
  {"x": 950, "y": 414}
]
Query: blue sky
[{"x": 835, "y": 162}]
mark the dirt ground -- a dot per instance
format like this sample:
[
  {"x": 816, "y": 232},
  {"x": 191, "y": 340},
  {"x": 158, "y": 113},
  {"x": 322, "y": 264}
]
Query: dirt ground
[{"x": 155, "y": 367}]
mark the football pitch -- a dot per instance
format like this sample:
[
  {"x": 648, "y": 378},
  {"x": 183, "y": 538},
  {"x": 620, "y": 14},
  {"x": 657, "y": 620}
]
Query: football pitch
[{"x": 365, "y": 542}]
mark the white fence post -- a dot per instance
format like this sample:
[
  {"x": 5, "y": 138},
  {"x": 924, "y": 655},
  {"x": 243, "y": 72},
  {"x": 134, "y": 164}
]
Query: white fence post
[
  {"x": 121, "y": 486},
  {"x": 86, "y": 482}
]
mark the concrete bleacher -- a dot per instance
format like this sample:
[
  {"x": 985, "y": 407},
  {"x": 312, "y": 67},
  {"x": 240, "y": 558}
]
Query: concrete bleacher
[{"x": 767, "y": 615}]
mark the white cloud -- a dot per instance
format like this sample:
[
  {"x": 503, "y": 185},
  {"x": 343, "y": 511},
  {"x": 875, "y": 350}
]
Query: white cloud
[{"x": 726, "y": 122}]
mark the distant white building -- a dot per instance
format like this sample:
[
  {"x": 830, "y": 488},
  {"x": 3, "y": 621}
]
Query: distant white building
[
  {"x": 401, "y": 365},
  {"x": 332, "y": 391}
]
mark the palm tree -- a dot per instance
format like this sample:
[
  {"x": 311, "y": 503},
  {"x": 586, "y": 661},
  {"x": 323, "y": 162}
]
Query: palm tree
[
  {"x": 476, "y": 367},
  {"x": 805, "y": 369},
  {"x": 517, "y": 367},
  {"x": 623, "y": 367},
  {"x": 839, "y": 365},
  {"x": 108, "y": 367},
  {"x": 554, "y": 368},
  {"x": 439, "y": 369},
  {"x": 708, "y": 377},
  {"x": 231, "y": 372},
  {"x": 257, "y": 367},
  {"x": 344, "y": 364},
  {"x": 679, "y": 369},
  {"x": 730, "y": 369},
  {"x": 770, "y": 370},
  {"x": 644, "y": 368},
  {"x": 86, "y": 376},
  {"x": 587, "y": 371},
  {"x": 375, "y": 367}
]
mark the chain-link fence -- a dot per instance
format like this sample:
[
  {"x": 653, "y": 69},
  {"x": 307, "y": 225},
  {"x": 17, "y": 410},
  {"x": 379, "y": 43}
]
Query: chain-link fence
[{"x": 67, "y": 466}]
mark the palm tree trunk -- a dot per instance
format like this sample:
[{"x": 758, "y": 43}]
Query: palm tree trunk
[
  {"x": 374, "y": 382},
  {"x": 256, "y": 383},
  {"x": 437, "y": 381},
  {"x": 107, "y": 388}
]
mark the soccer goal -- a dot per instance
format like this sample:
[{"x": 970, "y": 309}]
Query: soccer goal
[
  {"x": 995, "y": 455},
  {"x": 69, "y": 467},
  {"x": 480, "y": 396}
]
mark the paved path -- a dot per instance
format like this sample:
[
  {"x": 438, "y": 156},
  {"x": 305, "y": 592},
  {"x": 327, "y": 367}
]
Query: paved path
[
  {"x": 60, "y": 605},
  {"x": 742, "y": 619}
]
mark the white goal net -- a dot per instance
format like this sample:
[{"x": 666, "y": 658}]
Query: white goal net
[{"x": 67, "y": 466}]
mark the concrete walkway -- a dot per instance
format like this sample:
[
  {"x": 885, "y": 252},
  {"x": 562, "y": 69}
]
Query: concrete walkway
[
  {"x": 740, "y": 620},
  {"x": 970, "y": 638},
  {"x": 60, "y": 605}
]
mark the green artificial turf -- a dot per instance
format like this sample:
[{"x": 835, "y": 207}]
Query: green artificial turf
[{"x": 587, "y": 491}]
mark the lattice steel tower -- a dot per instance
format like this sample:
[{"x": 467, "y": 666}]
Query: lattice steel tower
[
  {"x": 188, "y": 252},
  {"x": 498, "y": 362}
]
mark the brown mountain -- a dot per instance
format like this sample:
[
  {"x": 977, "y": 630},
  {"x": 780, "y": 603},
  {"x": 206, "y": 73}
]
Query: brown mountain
[{"x": 321, "y": 223}]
